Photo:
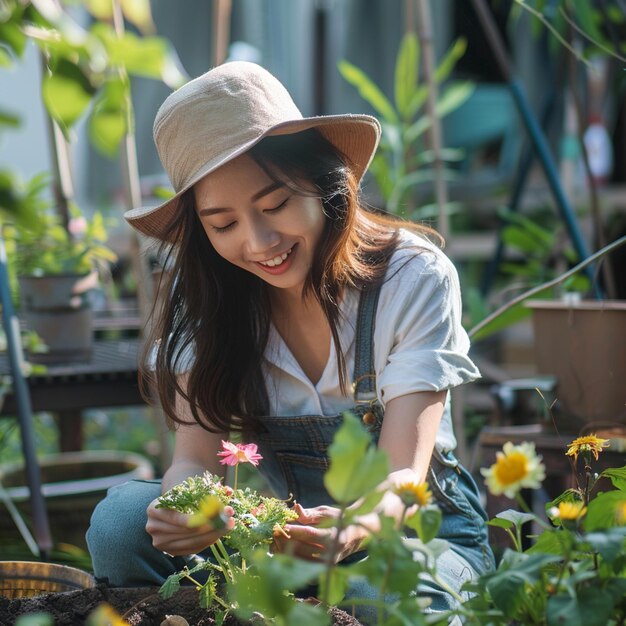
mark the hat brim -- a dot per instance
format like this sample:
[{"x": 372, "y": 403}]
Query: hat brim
[{"x": 355, "y": 136}]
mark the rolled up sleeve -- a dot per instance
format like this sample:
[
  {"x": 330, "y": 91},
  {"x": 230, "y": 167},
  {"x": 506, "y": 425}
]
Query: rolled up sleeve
[{"x": 421, "y": 344}]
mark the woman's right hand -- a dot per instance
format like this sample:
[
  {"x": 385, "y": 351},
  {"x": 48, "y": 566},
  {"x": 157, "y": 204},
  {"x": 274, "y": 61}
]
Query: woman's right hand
[{"x": 171, "y": 533}]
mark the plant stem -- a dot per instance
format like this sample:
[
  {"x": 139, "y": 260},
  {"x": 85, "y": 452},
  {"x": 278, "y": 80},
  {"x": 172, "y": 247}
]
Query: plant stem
[
  {"x": 236, "y": 475},
  {"x": 223, "y": 563},
  {"x": 330, "y": 564}
]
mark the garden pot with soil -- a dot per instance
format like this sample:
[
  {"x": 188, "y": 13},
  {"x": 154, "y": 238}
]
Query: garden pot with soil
[
  {"x": 138, "y": 606},
  {"x": 72, "y": 484}
]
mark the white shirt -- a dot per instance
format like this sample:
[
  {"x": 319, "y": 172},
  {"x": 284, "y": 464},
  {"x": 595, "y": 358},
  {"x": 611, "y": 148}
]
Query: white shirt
[{"x": 419, "y": 343}]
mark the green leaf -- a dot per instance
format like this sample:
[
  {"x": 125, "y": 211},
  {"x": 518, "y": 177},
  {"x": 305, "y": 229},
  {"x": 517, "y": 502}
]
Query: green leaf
[
  {"x": 149, "y": 57},
  {"x": 308, "y": 615},
  {"x": 333, "y": 585},
  {"x": 584, "y": 15},
  {"x": 511, "y": 316},
  {"x": 454, "y": 53},
  {"x": 426, "y": 522},
  {"x": 12, "y": 36},
  {"x": 617, "y": 475},
  {"x": 552, "y": 542},
  {"x": 367, "y": 505},
  {"x": 66, "y": 92},
  {"x": 356, "y": 465},
  {"x": 369, "y": 91},
  {"x": 417, "y": 129},
  {"x": 273, "y": 574},
  {"x": 5, "y": 58},
  {"x": 608, "y": 544},
  {"x": 516, "y": 518},
  {"x": 453, "y": 97},
  {"x": 605, "y": 511},
  {"x": 590, "y": 607},
  {"x": 517, "y": 570},
  {"x": 139, "y": 13},
  {"x": 170, "y": 586},
  {"x": 407, "y": 68},
  {"x": 207, "y": 593},
  {"x": 108, "y": 121},
  {"x": 9, "y": 120}
]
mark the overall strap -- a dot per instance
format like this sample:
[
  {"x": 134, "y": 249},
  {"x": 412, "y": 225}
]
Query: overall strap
[{"x": 364, "y": 382}]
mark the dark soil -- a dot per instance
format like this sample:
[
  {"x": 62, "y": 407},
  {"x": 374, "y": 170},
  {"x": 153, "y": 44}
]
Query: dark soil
[{"x": 139, "y": 607}]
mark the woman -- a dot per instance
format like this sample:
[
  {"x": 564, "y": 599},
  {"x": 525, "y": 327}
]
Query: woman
[{"x": 289, "y": 303}]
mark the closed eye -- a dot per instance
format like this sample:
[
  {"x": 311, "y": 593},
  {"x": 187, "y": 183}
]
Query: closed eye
[
  {"x": 279, "y": 207},
  {"x": 223, "y": 229}
]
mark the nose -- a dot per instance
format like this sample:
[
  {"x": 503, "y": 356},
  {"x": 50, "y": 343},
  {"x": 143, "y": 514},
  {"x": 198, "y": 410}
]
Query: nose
[{"x": 261, "y": 238}]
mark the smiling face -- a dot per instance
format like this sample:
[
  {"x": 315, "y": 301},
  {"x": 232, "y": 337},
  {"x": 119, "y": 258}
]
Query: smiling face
[{"x": 260, "y": 225}]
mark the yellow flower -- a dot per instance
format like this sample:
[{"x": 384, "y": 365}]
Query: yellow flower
[
  {"x": 585, "y": 445},
  {"x": 620, "y": 513},
  {"x": 414, "y": 493},
  {"x": 568, "y": 511},
  {"x": 516, "y": 468},
  {"x": 209, "y": 510}
]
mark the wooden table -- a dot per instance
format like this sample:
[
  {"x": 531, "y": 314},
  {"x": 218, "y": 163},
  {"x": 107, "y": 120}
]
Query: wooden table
[{"x": 108, "y": 379}]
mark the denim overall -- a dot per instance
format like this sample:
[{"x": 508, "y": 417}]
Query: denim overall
[{"x": 294, "y": 450}]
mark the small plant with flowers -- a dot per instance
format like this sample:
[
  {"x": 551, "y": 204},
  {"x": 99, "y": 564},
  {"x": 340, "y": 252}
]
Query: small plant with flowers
[
  {"x": 575, "y": 570},
  {"x": 255, "y": 521}
]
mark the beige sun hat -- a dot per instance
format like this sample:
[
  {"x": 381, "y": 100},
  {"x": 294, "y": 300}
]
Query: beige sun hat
[{"x": 221, "y": 114}]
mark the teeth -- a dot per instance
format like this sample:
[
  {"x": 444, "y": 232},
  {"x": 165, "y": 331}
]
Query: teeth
[{"x": 277, "y": 260}]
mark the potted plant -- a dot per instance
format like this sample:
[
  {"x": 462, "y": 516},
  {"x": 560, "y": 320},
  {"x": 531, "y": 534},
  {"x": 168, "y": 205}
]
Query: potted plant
[{"x": 57, "y": 269}]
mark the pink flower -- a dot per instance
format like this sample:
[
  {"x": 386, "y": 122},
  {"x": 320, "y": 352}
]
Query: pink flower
[
  {"x": 77, "y": 226},
  {"x": 235, "y": 453}
]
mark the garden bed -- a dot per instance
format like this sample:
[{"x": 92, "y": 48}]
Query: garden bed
[{"x": 139, "y": 606}]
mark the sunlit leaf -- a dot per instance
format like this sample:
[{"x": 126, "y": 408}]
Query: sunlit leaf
[
  {"x": 426, "y": 521},
  {"x": 66, "y": 93},
  {"x": 356, "y": 465},
  {"x": 108, "y": 121},
  {"x": 605, "y": 511},
  {"x": 453, "y": 97},
  {"x": 101, "y": 9},
  {"x": 368, "y": 90},
  {"x": 138, "y": 12},
  {"x": 617, "y": 476},
  {"x": 406, "y": 72}
]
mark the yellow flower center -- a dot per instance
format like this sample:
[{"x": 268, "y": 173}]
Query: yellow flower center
[{"x": 511, "y": 468}]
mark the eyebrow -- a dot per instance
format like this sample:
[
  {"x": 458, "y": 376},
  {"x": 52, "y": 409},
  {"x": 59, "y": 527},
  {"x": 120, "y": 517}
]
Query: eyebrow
[{"x": 257, "y": 196}]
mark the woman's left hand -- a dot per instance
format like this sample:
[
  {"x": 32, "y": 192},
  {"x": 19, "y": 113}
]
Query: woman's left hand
[{"x": 307, "y": 540}]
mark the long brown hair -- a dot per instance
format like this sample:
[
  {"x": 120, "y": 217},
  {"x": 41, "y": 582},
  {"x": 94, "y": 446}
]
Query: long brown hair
[{"x": 214, "y": 320}]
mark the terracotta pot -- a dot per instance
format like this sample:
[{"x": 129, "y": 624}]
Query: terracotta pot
[
  {"x": 583, "y": 344},
  {"x": 25, "y": 579},
  {"x": 58, "y": 309},
  {"x": 72, "y": 484}
]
